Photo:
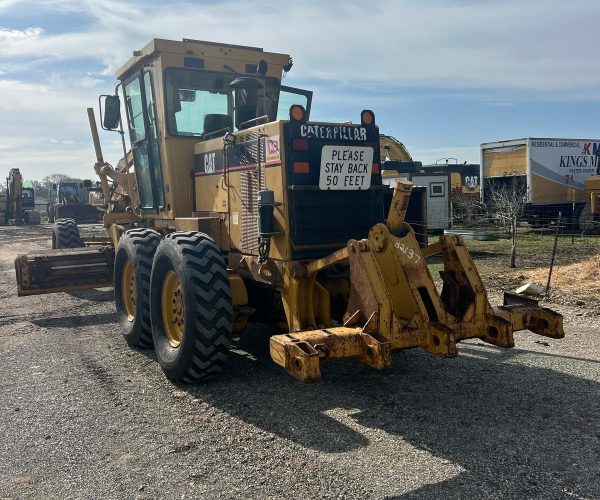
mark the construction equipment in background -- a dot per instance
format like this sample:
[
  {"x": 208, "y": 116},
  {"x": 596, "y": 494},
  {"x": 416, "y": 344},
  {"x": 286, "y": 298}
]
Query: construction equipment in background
[
  {"x": 232, "y": 214},
  {"x": 17, "y": 206},
  {"x": 395, "y": 157},
  {"x": 96, "y": 197},
  {"x": 66, "y": 203}
]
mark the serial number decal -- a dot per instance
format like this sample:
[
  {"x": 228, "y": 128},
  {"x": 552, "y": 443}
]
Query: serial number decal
[
  {"x": 406, "y": 250},
  {"x": 346, "y": 167}
]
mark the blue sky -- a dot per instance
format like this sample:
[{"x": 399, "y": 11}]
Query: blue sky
[{"x": 442, "y": 76}]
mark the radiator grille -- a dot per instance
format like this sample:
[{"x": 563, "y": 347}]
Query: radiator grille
[{"x": 331, "y": 218}]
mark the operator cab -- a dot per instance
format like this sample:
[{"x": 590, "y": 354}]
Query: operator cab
[
  {"x": 27, "y": 197},
  {"x": 176, "y": 94}
]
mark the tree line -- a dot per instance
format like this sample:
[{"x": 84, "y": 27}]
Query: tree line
[{"x": 43, "y": 187}]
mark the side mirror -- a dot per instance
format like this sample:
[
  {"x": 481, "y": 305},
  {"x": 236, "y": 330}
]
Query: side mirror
[
  {"x": 80, "y": 185},
  {"x": 54, "y": 187},
  {"x": 87, "y": 183},
  {"x": 112, "y": 112}
]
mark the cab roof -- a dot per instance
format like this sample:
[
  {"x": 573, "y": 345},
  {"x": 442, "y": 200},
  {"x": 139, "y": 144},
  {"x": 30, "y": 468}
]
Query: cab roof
[{"x": 201, "y": 49}]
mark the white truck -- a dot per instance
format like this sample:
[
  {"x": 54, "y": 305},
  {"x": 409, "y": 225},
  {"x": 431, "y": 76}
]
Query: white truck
[{"x": 553, "y": 172}]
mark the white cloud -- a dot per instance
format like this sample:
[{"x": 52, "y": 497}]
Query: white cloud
[
  {"x": 448, "y": 44},
  {"x": 351, "y": 52}
]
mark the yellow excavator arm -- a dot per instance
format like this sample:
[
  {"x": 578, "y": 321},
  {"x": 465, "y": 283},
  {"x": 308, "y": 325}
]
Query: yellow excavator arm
[{"x": 393, "y": 149}]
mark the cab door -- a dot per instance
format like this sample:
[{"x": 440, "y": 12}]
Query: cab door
[
  {"x": 289, "y": 96},
  {"x": 145, "y": 146}
]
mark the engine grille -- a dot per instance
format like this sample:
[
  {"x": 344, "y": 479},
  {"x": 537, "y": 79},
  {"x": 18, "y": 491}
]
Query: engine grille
[
  {"x": 249, "y": 210},
  {"x": 331, "y": 218}
]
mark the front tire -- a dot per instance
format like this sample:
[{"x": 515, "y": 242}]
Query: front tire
[
  {"x": 65, "y": 234},
  {"x": 191, "y": 308},
  {"x": 133, "y": 266}
]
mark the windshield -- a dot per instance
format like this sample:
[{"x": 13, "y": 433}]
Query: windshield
[
  {"x": 68, "y": 189},
  {"x": 191, "y": 95}
]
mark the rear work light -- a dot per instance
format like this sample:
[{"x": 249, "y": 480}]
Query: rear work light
[{"x": 300, "y": 167}]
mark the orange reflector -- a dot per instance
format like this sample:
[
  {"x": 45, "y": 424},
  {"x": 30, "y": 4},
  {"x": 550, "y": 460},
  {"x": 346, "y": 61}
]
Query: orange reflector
[
  {"x": 300, "y": 167},
  {"x": 300, "y": 144},
  {"x": 297, "y": 113},
  {"x": 375, "y": 168},
  {"x": 367, "y": 117}
]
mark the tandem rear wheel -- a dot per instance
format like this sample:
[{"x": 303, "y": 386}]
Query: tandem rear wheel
[
  {"x": 133, "y": 266},
  {"x": 190, "y": 307}
]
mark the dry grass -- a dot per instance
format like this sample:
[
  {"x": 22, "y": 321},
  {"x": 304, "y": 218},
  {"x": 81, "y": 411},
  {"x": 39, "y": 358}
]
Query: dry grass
[{"x": 579, "y": 279}]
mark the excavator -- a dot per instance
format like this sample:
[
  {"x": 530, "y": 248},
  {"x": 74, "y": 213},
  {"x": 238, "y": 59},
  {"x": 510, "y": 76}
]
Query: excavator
[
  {"x": 17, "y": 206},
  {"x": 236, "y": 208}
]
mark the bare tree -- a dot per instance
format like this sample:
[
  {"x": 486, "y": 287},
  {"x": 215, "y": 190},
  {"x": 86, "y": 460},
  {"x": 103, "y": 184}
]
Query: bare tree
[
  {"x": 468, "y": 209},
  {"x": 506, "y": 204}
]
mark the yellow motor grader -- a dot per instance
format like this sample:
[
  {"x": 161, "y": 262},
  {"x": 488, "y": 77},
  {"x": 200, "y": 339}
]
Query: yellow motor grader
[{"x": 233, "y": 207}]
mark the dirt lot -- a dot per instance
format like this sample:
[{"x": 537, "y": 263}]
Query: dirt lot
[{"x": 83, "y": 416}]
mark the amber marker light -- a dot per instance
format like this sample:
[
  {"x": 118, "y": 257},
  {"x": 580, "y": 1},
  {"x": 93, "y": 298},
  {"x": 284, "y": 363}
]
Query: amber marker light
[
  {"x": 300, "y": 167},
  {"x": 297, "y": 113},
  {"x": 300, "y": 144},
  {"x": 367, "y": 117}
]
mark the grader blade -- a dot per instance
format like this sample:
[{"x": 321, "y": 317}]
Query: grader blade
[
  {"x": 394, "y": 304},
  {"x": 64, "y": 270}
]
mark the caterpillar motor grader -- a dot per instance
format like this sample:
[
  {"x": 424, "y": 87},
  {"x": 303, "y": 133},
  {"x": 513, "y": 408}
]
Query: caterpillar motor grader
[
  {"x": 235, "y": 207},
  {"x": 18, "y": 205}
]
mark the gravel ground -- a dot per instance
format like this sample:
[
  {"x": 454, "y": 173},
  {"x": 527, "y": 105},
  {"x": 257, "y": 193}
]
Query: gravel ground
[{"x": 83, "y": 416}]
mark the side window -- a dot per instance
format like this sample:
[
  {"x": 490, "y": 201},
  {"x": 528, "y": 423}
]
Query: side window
[
  {"x": 289, "y": 96},
  {"x": 437, "y": 189},
  {"x": 134, "y": 103},
  {"x": 153, "y": 147},
  {"x": 135, "y": 110}
]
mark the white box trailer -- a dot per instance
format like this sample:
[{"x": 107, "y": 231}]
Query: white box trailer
[{"x": 553, "y": 171}]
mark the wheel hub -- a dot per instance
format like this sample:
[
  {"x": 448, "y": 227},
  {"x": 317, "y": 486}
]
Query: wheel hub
[
  {"x": 172, "y": 308},
  {"x": 128, "y": 290}
]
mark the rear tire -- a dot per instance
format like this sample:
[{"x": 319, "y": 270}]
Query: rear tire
[
  {"x": 65, "y": 234},
  {"x": 191, "y": 308},
  {"x": 133, "y": 266},
  {"x": 2, "y": 220}
]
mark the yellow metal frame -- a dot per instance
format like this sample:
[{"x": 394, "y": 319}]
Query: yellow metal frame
[{"x": 394, "y": 303}]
